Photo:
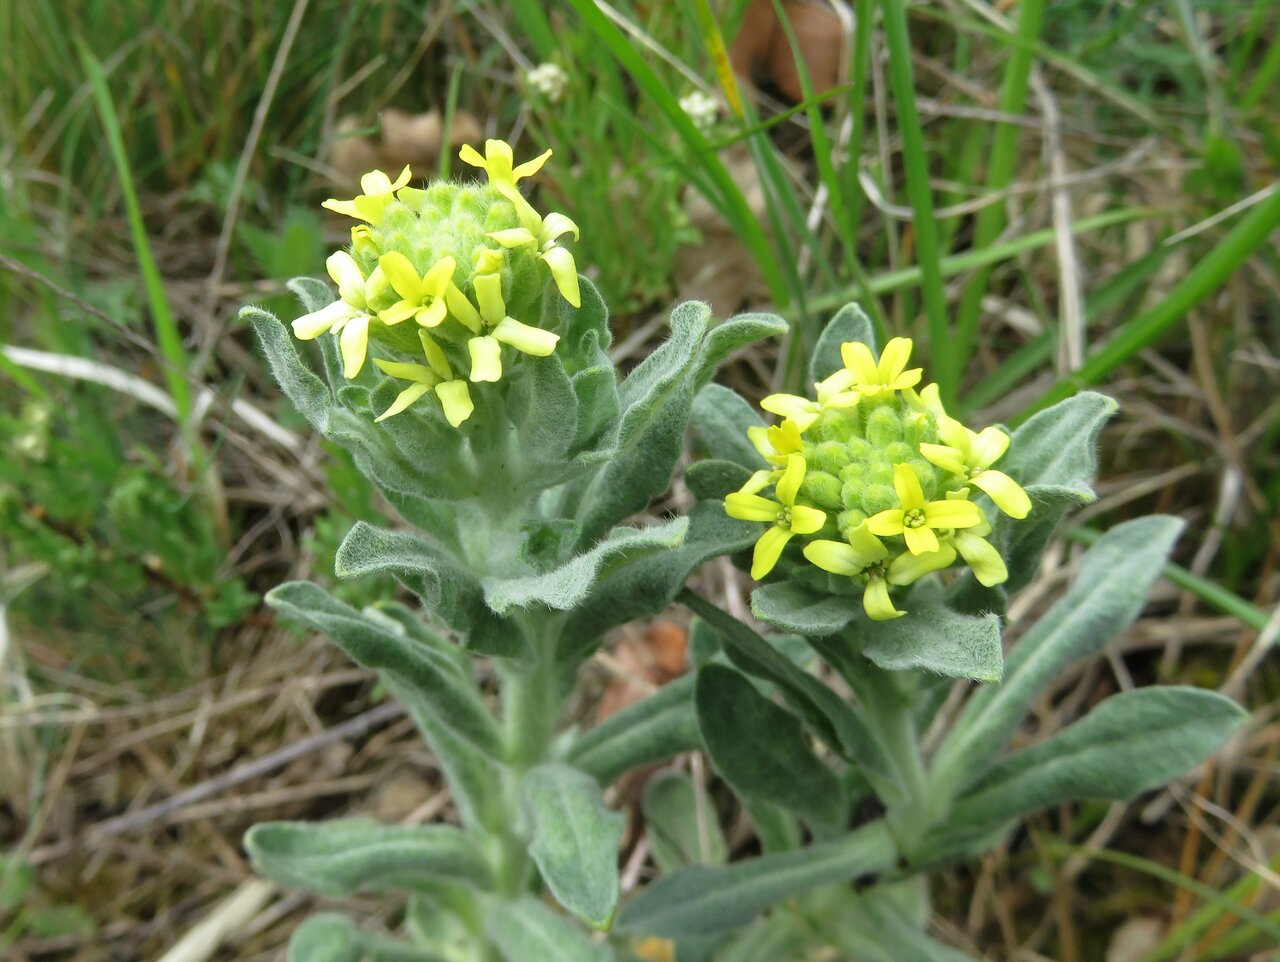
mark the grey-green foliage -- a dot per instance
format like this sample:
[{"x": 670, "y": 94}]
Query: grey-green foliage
[
  {"x": 333, "y": 938},
  {"x": 681, "y": 822},
  {"x": 721, "y": 417},
  {"x": 346, "y": 855},
  {"x": 654, "y": 728},
  {"x": 761, "y": 750},
  {"x": 575, "y": 840},
  {"x": 527, "y": 930},
  {"x": 1132, "y": 742},
  {"x": 850, "y": 323}
]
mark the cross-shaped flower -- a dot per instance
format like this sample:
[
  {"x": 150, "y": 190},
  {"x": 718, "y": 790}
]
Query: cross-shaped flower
[
  {"x": 863, "y": 557},
  {"x": 969, "y": 455},
  {"x": 499, "y": 163},
  {"x": 543, "y": 233},
  {"x": 788, "y": 518},
  {"x": 873, "y": 379},
  {"x": 832, "y": 392},
  {"x": 437, "y": 375},
  {"x": 378, "y": 191},
  {"x": 486, "y": 348},
  {"x": 348, "y": 316},
  {"x": 917, "y": 519},
  {"x": 777, "y": 442},
  {"x": 422, "y": 298}
]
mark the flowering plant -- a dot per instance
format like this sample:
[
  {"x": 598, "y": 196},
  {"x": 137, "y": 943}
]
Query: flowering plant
[{"x": 887, "y": 536}]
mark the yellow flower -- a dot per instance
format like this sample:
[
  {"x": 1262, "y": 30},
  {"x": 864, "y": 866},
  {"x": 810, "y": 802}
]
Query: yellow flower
[
  {"x": 422, "y": 298},
  {"x": 348, "y": 316},
  {"x": 832, "y": 392},
  {"x": 455, "y": 397},
  {"x": 486, "y": 348},
  {"x": 972, "y": 545},
  {"x": 499, "y": 163},
  {"x": 378, "y": 190},
  {"x": 788, "y": 518},
  {"x": 862, "y": 556},
  {"x": 777, "y": 442},
  {"x": 872, "y": 378},
  {"x": 917, "y": 520},
  {"x": 969, "y": 455},
  {"x": 542, "y": 233}
]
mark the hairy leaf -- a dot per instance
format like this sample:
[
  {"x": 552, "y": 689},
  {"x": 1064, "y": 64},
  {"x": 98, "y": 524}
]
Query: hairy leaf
[
  {"x": 849, "y": 324},
  {"x": 721, "y": 417},
  {"x": 681, "y": 822},
  {"x": 529, "y": 931},
  {"x": 659, "y": 726}
]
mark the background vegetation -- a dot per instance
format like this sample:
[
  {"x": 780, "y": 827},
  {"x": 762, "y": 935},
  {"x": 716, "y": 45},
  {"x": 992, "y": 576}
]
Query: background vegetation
[{"x": 1045, "y": 195}]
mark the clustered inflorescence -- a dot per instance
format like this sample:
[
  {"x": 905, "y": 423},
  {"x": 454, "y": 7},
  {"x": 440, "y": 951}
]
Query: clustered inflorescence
[
  {"x": 444, "y": 273},
  {"x": 876, "y": 479}
]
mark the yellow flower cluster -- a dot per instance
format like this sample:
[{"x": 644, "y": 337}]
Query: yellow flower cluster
[
  {"x": 458, "y": 301},
  {"x": 876, "y": 477}
]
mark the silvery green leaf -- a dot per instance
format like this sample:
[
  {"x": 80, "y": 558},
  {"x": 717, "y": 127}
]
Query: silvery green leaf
[
  {"x": 346, "y": 855},
  {"x": 595, "y": 390},
  {"x": 657, "y": 727},
  {"x": 583, "y": 330},
  {"x": 312, "y": 292},
  {"x": 735, "y": 333},
  {"x": 936, "y": 639},
  {"x": 825, "y": 712},
  {"x": 874, "y": 929},
  {"x": 776, "y": 828},
  {"x": 706, "y": 900},
  {"x": 761, "y": 750},
  {"x": 301, "y": 386},
  {"x": 681, "y": 822},
  {"x": 655, "y": 400},
  {"x": 565, "y": 587},
  {"x": 849, "y": 324},
  {"x": 644, "y": 585},
  {"x": 1109, "y": 591},
  {"x": 793, "y": 607},
  {"x": 1058, "y": 446},
  {"x": 333, "y": 938},
  {"x": 713, "y": 479},
  {"x": 1022, "y": 543},
  {"x": 721, "y": 417},
  {"x": 452, "y": 695},
  {"x": 1132, "y": 742},
  {"x": 575, "y": 840},
  {"x": 530, "y": 931},
  {"x": 544, "y": 410}
]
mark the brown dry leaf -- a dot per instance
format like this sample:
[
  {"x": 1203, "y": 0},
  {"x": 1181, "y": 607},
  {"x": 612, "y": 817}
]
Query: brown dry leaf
[
  {"x": 413, "y": 139},
  {"x": 644, "y": 660},
  {"x": 761, "y": 51}
]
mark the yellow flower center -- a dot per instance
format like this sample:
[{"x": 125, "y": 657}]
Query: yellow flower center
[
  {"x": 913, "y": 518},
  {"x": 784, "y": 517}
]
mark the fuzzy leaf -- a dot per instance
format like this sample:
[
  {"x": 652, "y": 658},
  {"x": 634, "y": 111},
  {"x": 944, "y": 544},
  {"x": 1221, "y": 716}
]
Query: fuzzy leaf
[
  {"x": 595, "y": 390},
  {"x": 849, "y": 324},
  {"x": 721, "y": 418},
  {"x": 565, "y": 587},
  {"x": 712, "y": 480},
  {"x": 543, "y": 408},
  {"x": 735, "y": 333},
  {"x": 583, "y": 330},
  {"x": 874, "y": 929},
  {"x": 1058, "y": 446},
  {"x": 333, "y": 938},
  {"x": 529, "y": 931},
  {"x": 453, "y": 697},
  {"x": 346, "y": 855},
  {"x": 1109, "y": 591},
  {"x": 301, "y": 386},
  {"x": 761, "y": 750},
  {"x": 936, "y": 639},
  {"x": 830, "y": 718},
  {"x": 708, "y": 900},
  {"x": 793, "y": 607},
  {"x": 682, "y": 828},
  {"x": 575, "y": 840},
  {"x": 1132, "y": 742},
  {"x": 657, "y": 727}
]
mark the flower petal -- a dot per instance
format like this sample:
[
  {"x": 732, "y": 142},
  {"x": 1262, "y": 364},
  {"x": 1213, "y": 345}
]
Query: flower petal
[
  {"x": 470, "y": 155},
  {"x": 436, "y": 281},
  {"x": 312, "y": 325},
  {"x": 806, "y": 520},
  {"x": 526, "y": 338},
  {"x": 801, "y": 410},
  {"x": 789, "y": 484},
  {"x": 402, "y": 275},
  {"x": 1004, "y": 491},
  {"x": 462, "y": 310},
  {"x": 751, "y": 507},
  {"x": 512, "y": 237},
  {"x": 768, "y": 550},
  {"x": 920, "y": 540},
  {"x": 834, "y": 556},
  {"x": 945, "y": 457},
  {"x": 345, "y": 207},
  {"x": 455, "y": 399},
  {"x": 433, "y": 314},
  {"x": 398, "y": 312},
  {"x": 347, "y": 275},
  {"x": 529, "y": 167},
  {"x": 886, "y": 523},
  {"x": 877, "y": 603},
  {"x": 486, "y": 359},
  {"x": 489, "y": 298},
  {"x": 758, "y": 435},
  {"x": 758, "y": 481},
  {"x": 555, "y": 226},
  {"x": 403, "y": 400},
  {"x": 952, "y": 514},
  {"x": 858, "y": 359},
  {"x": 989, "y": 446},
  {"x": 867, "y": 545},
  {"x": 354, "y": 345},
  {"x": 407, "y": 372},
  {"x": 909, "y": 568},
  {"x": 435, "y": 357},
  {"x": 907, "y": 484},
  {"x": 565, "y": 273},
  {"x": 893, "y": 359},
  {"x": 988, "y": 567}
]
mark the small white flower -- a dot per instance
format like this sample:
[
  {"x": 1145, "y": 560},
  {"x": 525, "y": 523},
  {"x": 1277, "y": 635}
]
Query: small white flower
[
  {"x": 548, "y": 80},
  {"x": 703, "y": 109}
]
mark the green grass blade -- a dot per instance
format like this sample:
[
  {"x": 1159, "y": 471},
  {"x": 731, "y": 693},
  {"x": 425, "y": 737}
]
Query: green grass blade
[
  {"x": 1003, "y": 159},
  {"x": 947, "y": 363},
  {"x": 166, "y": 327},
  {"x": 532, "y": 18},
  {"x": 1209, "y": 274}
]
